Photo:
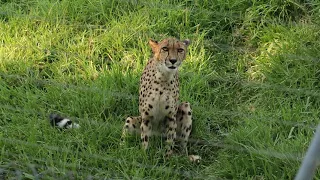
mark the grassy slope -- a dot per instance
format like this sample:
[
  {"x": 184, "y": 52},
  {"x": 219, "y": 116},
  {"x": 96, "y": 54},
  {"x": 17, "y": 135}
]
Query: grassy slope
[{"x": 251, "y": 74}]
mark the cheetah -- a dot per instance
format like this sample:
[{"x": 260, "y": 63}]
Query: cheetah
[{"x": 159, "y": 96}]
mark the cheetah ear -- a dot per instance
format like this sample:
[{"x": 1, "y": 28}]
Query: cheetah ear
[
  {"x": 153, "y": 44},
  {"x": 186, "y": 42}
]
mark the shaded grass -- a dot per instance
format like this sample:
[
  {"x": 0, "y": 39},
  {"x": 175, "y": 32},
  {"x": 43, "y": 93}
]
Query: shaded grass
[{"x": 251, "y": 76}]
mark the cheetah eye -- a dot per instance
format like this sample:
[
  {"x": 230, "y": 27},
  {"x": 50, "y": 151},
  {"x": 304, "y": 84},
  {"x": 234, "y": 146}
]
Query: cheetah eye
[
  {"x": 165, "y": 49},
  {"x": 180, "y": 50}
]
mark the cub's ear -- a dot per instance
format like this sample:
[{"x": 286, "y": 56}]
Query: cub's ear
[
  {"x": 153, "y": 44},
  {"x": 186, "y": 42}
]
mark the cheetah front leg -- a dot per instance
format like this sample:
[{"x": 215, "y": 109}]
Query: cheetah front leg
[
  {"x": 132, "y": 125},
  {"x": 146, "y": 128},
  {"x": 171, "y": 128},
  {"x": 184, "y": 121}
]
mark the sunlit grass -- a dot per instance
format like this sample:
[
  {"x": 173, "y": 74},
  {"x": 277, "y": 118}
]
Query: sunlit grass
[{"x": 251, "y": 75}]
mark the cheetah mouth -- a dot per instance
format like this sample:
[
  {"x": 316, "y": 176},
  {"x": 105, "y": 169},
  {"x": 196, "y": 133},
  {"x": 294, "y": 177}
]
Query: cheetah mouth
[{"x": 172, "y": 67}]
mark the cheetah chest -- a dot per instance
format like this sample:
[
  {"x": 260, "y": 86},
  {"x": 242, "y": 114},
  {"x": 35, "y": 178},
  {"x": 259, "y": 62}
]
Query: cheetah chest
[{"x": 158, "y": 98}]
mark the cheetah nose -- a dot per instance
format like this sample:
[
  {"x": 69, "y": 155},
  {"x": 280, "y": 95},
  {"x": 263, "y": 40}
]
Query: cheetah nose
[{"x": 173, "y": 61}]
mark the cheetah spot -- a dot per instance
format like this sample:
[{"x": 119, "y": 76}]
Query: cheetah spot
[
  {"x": 146, "y": 138},
  {"x": 146, "y": 122}
]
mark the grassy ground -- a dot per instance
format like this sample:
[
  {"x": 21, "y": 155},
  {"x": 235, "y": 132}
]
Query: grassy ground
[{"x": 252, "y": 75}]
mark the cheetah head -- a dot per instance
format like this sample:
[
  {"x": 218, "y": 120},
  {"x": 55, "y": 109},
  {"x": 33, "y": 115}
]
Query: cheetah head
[{"x": 169, "y": 53}]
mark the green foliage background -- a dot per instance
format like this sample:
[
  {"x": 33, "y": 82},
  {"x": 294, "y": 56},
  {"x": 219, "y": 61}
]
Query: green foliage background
[{"x": 252, "y": 76}]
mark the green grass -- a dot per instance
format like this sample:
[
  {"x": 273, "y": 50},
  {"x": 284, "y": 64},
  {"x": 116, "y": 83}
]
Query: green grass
[{"x": 252, "y": 76}]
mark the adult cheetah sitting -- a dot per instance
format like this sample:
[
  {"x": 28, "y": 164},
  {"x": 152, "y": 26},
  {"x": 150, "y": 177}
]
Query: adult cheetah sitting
[{"x": 159, "y": 94}]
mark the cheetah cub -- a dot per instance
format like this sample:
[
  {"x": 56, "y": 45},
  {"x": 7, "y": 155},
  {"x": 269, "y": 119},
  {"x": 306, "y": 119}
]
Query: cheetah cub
[{"x": 159, "y": 94}]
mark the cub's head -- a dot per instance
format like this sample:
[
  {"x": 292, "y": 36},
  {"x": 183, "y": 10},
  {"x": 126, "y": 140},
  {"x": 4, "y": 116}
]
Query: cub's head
[{"x": 169, "y": 53}]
